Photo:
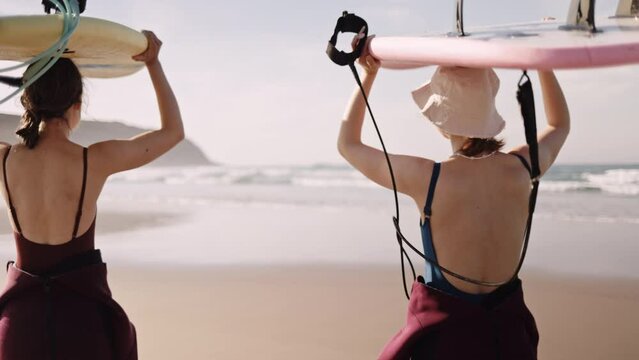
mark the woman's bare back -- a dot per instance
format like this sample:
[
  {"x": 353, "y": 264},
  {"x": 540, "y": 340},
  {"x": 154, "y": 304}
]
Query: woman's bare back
[
  {"x": 45, "y": 184},
  {"x": 479, "y": 214}
]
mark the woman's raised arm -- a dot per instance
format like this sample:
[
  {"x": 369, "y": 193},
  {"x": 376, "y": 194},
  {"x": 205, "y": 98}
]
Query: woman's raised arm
[
  {"x": 410, "y": 172},
  {"x": 554, "y": 136},
  {"x": 113, "y": 156}
]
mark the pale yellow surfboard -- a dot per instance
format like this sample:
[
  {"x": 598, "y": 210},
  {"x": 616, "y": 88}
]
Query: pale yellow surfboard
[{"x": 100, "y": 48}]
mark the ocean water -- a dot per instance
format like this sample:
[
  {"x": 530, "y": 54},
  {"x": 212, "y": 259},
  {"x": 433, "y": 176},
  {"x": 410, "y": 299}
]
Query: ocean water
[
  {"x": 599, "y": 193},
  {"x": 605, "y": 179}
]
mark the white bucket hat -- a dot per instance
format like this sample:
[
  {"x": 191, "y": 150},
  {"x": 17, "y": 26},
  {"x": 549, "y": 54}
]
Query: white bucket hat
[{"x": 461, "y": 101}]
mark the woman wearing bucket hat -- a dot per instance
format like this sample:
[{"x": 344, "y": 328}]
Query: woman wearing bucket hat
[
  {"x": 57, "y": 303},
  {"x": 473, "y": 208}
]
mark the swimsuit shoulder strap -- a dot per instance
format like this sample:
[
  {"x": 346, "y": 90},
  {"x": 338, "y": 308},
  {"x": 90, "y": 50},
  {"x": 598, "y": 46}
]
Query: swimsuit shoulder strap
[
  {"x": 431, "y": 190},
  {"x": 14, "y": 215},
  {"x": 524, "y": 162},
  {"x": 78, "y": 215}
]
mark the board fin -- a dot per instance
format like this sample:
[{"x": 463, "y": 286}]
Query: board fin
[
  {"x": 581, "y": 15},
  {"x": 627, "y": 8},
  {"x": 48, "y": 6},
  {"x": 459, "y": 23}
]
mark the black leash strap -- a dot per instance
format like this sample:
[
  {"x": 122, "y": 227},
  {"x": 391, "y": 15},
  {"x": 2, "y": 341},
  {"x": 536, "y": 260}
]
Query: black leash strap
[
  {"x": 354, "y": 24},
  {"x": 526, "y": 99},
  {"x": 350, "y": 23}
]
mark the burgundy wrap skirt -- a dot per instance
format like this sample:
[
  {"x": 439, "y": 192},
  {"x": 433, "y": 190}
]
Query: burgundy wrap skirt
[
  {"x": 67, "y": 314},
  {"x": 441, "y": 326}
]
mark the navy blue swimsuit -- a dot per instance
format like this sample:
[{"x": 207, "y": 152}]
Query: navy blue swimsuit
[{"x": 433, "y": 276}]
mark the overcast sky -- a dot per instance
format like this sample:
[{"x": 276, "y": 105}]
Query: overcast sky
[{"x": 255, "y": 86}]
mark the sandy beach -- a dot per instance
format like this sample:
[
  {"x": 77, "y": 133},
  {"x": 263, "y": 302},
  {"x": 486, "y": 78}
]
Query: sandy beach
[
  {"x": 343, "y": 312},
  {"x": 332, "y": 312}
]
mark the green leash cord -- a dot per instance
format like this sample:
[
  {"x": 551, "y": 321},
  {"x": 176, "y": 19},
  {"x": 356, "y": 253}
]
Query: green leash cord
[{"x": 45, "y": 60}]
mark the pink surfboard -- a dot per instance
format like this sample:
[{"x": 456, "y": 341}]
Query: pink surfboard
[{"x": 543, "y": 45}]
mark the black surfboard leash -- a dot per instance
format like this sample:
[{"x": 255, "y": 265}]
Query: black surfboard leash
[
  {"x": 354, "y": 24},
  {"x": 350, "y": 23}
]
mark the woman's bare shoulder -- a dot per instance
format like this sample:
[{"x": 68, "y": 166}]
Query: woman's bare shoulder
[{"x": 4, "y": 146}]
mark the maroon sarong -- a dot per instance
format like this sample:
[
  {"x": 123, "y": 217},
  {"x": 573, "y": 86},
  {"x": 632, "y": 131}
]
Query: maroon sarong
[
  {"x": 441, "y": 326},
  {"x": 64, "y": 315}
]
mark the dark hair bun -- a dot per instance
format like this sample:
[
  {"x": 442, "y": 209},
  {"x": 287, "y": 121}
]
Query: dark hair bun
[{"x": 49, "y": 97}]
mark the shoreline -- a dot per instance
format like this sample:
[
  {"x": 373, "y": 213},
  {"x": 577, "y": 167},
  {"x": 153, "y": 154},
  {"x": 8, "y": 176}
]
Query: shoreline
[{"x": 117, "y": 221}]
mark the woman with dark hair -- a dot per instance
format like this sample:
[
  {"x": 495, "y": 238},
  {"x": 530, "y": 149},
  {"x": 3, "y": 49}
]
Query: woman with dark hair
[
  {"x": 473, "y": 209},
  {"x": 57, "y": 303}
]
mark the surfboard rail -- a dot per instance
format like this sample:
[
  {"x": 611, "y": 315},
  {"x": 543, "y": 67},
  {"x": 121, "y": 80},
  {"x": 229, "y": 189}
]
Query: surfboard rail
[{"x": 541, "y": 45}]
